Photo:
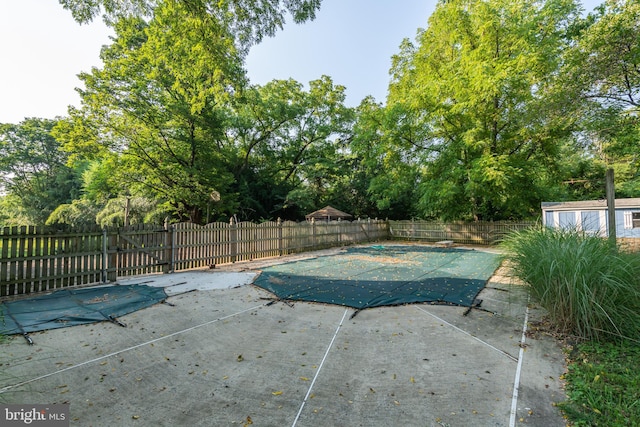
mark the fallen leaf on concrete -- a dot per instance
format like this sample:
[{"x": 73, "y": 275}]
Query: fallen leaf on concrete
[{"x": 276, "y": 393}]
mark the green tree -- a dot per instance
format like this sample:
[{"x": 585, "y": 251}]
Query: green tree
[
  {"x": 160, "y": 103},
  {"x": 173, "y": 104},
  {"x": 33, "y": 169},
  {"x": 603, "y": 61},
  {"x": 286, "y": 142},
  {"x": 249, "y": 20},
  {"x": 602, "y": 71},
  {"x": 13, "y": 212},
  {"x": 386, "y": 170},
  {"x": 79, "y": 212},
  {"x": 476, "y": 86}
]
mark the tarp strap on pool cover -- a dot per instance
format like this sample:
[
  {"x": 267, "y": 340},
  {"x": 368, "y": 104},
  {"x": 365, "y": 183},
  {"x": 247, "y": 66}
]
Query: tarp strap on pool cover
[
  {"x": 70, "y": 307},
  {"x": 378, "y": 276}
]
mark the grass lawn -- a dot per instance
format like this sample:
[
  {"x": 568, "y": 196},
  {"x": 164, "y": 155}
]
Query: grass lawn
[{"x": 603, "y": 385}]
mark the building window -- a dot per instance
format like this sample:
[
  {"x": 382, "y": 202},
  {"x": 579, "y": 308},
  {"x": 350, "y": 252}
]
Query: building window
[
  {"x": 548, "y": 219},
  {"x": 567, "y": 220},
  {"x": 590, "y": 221},
  {"x": 631, "y": 220}
]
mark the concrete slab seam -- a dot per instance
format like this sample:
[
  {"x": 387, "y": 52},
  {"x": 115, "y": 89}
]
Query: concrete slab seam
[
  {"x": 504, "y": 353},
  {"x": 315, "y": 377},
  {"x": 106, "y": 356},
  {"x": 516, "y": 381}
]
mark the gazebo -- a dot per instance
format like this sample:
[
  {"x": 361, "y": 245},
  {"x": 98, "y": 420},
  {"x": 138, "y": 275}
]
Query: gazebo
[{"x": 328, "y": 213}]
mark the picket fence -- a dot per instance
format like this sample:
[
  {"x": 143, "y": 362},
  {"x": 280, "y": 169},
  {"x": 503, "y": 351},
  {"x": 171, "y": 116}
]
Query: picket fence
[{"x": 38, "y": 259}]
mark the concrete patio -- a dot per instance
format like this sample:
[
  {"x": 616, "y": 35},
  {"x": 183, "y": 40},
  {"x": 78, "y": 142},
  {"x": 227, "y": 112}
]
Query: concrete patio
[{"x": 224, "y": 354}]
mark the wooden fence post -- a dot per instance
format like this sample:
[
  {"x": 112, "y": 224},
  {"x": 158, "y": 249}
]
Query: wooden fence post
[
  {"x": 105, "y": 257},
  {"x": 233, "y": 240},
  {"x": 112, "y": 249},
  {"x": 280, "y": 243},
  {"x": 167, "y": 266},
  {"x": 4, "y": 261}
]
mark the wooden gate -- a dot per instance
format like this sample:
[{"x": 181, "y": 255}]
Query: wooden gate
[{"x": 138, "y": 249}]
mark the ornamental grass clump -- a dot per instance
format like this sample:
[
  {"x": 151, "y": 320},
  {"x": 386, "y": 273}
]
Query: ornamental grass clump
[{"x": 590, "y": 289}]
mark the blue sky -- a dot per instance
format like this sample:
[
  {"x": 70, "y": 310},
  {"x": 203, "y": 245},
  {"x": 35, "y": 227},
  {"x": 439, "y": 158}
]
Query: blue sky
[
  {"x": 351, "y": 41},
  {"x": 42, "y": 50}
]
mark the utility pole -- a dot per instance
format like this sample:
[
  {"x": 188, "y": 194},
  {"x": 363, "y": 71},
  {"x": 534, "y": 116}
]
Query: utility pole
[{"x": 611, "y": 205}]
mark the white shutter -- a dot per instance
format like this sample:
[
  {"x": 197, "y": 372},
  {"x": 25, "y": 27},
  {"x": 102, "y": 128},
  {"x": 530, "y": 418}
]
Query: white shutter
[{"x": 628, "y": 220}]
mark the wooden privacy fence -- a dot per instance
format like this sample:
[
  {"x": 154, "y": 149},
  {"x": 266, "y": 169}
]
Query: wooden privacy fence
[
  {"x": 37, "y": 259},
  {"x": 195, "y": 246},
  {"x": 475, "y": 233}
]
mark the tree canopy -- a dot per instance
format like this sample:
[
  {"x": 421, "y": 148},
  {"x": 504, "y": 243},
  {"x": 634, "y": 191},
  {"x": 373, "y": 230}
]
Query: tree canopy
[
  {"x": 475, "y": 89},
  {"x": 495, "y": 106},
  {"x": 33, "y": 171},
  {"x": 247, "y": 21}
]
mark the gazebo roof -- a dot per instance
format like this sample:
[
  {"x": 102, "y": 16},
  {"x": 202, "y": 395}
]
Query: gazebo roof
[{"x": 328, "y": 212}]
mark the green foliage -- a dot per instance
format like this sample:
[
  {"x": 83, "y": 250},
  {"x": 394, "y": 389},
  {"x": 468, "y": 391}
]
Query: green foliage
[
  {"x": 159, "y": 102},
  {"x": 172, "y": 109},
  {"x": 78, "y": 213},
  {"x": 13, "y": 212},
  {"x": 33, "y": 169},
  {"x": 589, "y": 288},
  {"x": 603, "y": 385},
  {"x": 600, "y": 76},
  {"x": 474, "y": 90},
  {"x": 607, "y": 51},
  {"x": 496, "y": 106},
  {"x": 250, "y": 20},
  {"x": 284, "y": 146},
  {"x": 101, "y": 179},
  {"x": 386, "y": 150},
  {"x": 141, "y": 211}
]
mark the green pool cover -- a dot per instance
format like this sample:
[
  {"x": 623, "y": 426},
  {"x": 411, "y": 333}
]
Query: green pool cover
[
  {"x": 69, "y": 307},
  {"x": 384, "y": 275}
]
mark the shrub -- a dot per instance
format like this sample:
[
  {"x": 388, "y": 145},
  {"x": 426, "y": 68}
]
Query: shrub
[{"x": 590, "y": 289}]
